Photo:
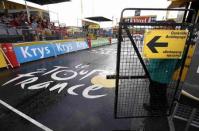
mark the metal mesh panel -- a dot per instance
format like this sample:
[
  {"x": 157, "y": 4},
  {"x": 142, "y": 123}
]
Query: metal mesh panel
[
  {"x": 196, "y": 119},
  {"x": 130, "y": 103},
  {"x": 134, "y": 93},
  {"x": 183, "y": 112}
]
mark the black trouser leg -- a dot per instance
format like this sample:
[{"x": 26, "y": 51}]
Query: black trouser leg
[{"x": 158, "y": 95}]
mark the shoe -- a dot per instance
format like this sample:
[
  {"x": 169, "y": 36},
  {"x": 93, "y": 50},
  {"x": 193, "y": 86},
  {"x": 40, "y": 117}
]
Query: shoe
[
  {"x": 155, "y": 109},
  {"x": 147, "y": 107}
]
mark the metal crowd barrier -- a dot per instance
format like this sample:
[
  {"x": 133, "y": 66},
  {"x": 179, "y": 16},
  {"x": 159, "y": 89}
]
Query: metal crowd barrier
[{"x": 132, "y": 72}]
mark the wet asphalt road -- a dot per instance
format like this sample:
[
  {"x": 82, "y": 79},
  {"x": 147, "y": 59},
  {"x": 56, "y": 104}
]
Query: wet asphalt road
[{"x": 57, "y": 92}]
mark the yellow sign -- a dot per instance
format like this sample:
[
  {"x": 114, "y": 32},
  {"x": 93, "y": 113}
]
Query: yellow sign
[
  {"x": 94, "y": 26},
  {"x": 2, "y": 60},
  {"x": 186, "y": 66},
  {"x": 164, "y": 44}
]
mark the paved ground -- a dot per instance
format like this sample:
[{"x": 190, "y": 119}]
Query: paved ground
[
  {"x": 65, "y": 94},
  {"x": 58, "y": 93}
]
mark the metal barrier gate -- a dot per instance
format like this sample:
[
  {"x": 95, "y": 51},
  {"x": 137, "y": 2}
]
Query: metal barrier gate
[{"x": 135, "y": 71}]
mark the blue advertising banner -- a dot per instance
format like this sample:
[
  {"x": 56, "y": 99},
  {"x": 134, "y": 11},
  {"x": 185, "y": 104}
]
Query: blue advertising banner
[
  {"x": 66, "y": 47},
  {"x": 33, "y": 52}
]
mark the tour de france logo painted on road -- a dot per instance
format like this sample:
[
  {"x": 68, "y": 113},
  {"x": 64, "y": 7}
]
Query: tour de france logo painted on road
[{"x": 60, "y": 78}]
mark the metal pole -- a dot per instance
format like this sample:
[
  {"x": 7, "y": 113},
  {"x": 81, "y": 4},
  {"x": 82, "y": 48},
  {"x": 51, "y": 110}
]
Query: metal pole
[
  {"x": 190, "y": 119},
  {"x": 93, "y": 8},
  {"x": 197, "y": 17},
  {"x": 185, "y": 13},
  {"x": 167, "y": 15},
  {"x": 112, "y": 20},
  {"x": 77, "y": 21},
  {"x": 27, "y": 10},
  {"x": 48, "y": 11},
  {"x": 4, "y": 7},
  {"x": 58, "y": 18},
  {"x": 117, "y": 68},
  {"x": 82, "y": 9},
  {"x": 171, "y": 124}
]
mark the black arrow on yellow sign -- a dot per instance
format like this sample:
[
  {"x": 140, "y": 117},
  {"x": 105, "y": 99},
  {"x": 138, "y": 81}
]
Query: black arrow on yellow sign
[{"x": 152, "y": 44}]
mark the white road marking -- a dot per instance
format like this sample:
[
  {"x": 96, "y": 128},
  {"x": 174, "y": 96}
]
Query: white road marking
[
  {"x": 25, "y": 116},
  {"x": 104, "y": 51}
]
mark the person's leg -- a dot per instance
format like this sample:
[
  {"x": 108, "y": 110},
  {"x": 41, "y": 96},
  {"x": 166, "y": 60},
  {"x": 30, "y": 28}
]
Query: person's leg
[
  {"x": 152, "y": 97},
  {"x": 153, "y": 93},
  {"x": 158, "y": 95},
  {"x": 163, "y": 102}
]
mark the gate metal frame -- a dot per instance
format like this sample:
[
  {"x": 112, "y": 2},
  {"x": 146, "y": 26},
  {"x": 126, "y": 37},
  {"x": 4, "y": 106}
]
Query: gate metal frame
[{"x": 123, "y": 25}]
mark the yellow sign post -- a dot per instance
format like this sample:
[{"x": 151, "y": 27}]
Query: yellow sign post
[
  {"x": 164, "y": 44},
  {"x": 2, "y": 60}
]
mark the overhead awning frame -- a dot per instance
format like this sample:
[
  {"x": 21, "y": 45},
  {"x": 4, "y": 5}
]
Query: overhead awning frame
[
  {"x": 99, "y": 19},
  {"x": 45, "y": 2}
]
